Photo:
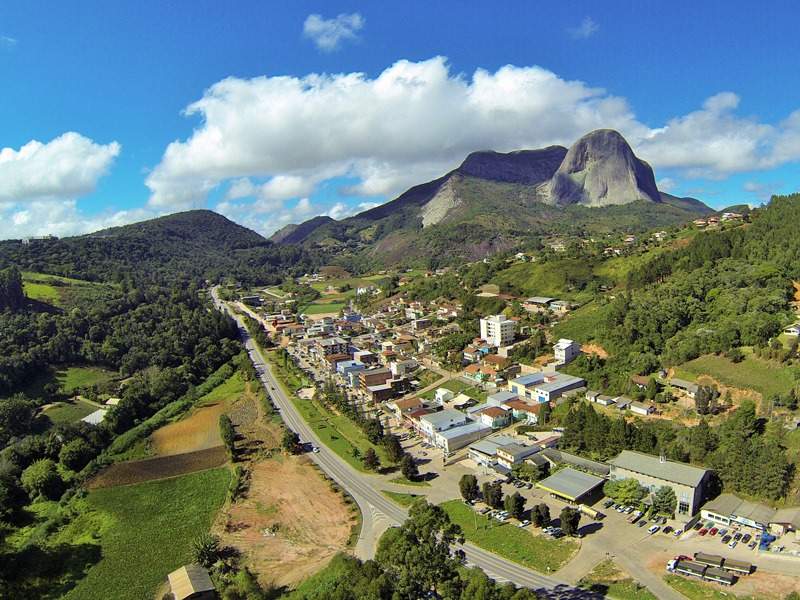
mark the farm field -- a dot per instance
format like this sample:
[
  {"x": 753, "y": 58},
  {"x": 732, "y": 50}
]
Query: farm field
[
  {"x": 753, "y": 373},
  {"x": 610, "y": 581},
  {"x": 147, "y": 531},
  {"x": 309, "y": 521},
  {"x": 160, "y": 467},
  {"x": 69, "y": 412},
  {"x": 519, "y": 545}
]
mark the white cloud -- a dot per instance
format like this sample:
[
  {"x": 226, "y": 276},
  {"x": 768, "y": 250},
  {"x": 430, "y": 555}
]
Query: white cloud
[
  {"x": 666, "y": 184},
  {"x": 7, "y": 41},
  {"x": 416, "y": 120},
  {"x": 64, "y": 168},
  {"x": 60, "y": 218},
  {"x": 328, "y": 34},
  {"x": 762, "y": 190},
  {"x": 586, "y": 29}
]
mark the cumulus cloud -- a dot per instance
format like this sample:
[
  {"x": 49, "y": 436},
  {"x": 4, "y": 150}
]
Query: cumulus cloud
[
  {"x": 586, "y": 29},
  {"x": 666, "y": 184},
  {"x": 762, "y": 190},
  {"x": 328, "y": 34},
  {"x": 64, "y": 168},
  {"x": 416, "y": 120}
]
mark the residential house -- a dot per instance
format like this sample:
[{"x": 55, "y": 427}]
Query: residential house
[
  {"x": 623, "y": 402},
  {"x": 688, "y": 482},
  {"x": 494, "y": 417},
  {"x": 524, "y": 411},
  {"x": 537, "y": 303},
  {"x": 442, "y": 395},
  {"x": 566, "y": 351},
  {"x": 685, "y": 386},
  {"x": 402, "y": 408},
  {"x": 792, "y": 329},
  {"x": 640, "y": 408},
  {"x": 191, "y": 582}
]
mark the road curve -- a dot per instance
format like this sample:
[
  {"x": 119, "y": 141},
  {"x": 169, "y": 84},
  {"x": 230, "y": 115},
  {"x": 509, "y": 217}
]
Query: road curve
[{"x": 368, "y": 498}]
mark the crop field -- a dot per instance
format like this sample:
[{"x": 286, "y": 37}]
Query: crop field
[
  {"x": 519, "y": 545},
  {"x": 198, "y": 431},
  {"x": 147, "y": 531},
  {"x": 763, "y": 376},
  {"x": 161, "y": 467}
]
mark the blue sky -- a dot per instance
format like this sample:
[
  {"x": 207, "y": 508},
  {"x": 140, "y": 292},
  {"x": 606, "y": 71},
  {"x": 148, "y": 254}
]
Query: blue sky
[{"x": 274, "y": 112}]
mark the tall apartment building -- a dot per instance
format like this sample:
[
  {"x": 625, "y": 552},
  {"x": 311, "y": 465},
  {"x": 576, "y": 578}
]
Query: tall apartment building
[{"x": 497, "y": 330}]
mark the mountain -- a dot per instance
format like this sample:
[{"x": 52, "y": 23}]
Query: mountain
[
  {"x": 198, "y": 244},
  {"x": 496, "y": 201},
  {"x": 600, "y": 169}
]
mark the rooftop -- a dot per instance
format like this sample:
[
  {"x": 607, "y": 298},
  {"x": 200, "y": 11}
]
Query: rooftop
[
  {"x": 539, "y": 300},
  {"x": 558, "y": 382},
  {"x": 501, "y": 397},
  {"x": 459, "y": 430},
  {"x": 653, "y": 466},
  {"x": 189, "y": 580},
  {"x": 530, "y": 379},
  {"x": 443, "y": 417},
  {"x": 490, "y": 444},
  {"x": 570, "y": 483}
]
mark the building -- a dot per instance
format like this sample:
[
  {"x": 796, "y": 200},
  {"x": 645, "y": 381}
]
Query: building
[
  {"x": 512, "y": 454},
  {"x": 685, "y": 386},
  {"x": 559, "y": 457},
  {"x": 493, "y": 416},
  {"x": 191, "y": 582},
  {"x": 369, "y": 377},
  {"x": 441, "y": 421},
  {"x": 537, "y": 303},
  {"x": 333, "y": 345},
  {"x": 523, "y": 411},
  {"x": 442, "y": 395},
  {"x": 497, "y": 330},
  {"x": 455, "y": 438},
  {"x": 652, "y": 472},
  {"x": 727, "y": 509},
  {"x": 484, "y": 452},
  {"x": 401, "y": 408},
  {"x": 792, "y": 329},
  {"x": 96, "y": 417},
  {"x": 555, "y": 385},
  {"x": 640, "y": 408},
  {"x": 523, "y": 387},
  {"x": 566, "y": 351},
  {"x": 572, "y": 485}
]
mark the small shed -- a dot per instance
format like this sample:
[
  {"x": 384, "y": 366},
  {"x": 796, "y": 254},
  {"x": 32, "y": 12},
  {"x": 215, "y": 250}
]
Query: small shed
[{"x": 191, "y": 582}]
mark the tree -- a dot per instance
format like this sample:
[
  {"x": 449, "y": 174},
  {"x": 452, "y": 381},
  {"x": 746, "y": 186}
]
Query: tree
[
  {"x": 705, "y": 399},
  {"x": 12, "y": 496},
  {"x": 394, "y": 449},
  {"x": 16, "y": 417},
  {"x": 76, "y": 454},
  {"x": 418, "y": 555},
  {"x": 228, "y": 434},
  {"x": 468, "y": 484},
  {"x": 371, "y": 460},
  {"x": 570, "y": 518},
  {"x": 492, "y": 494},
  {"x": 408, "y": 467},
  {"x": 42, "y": 479},
  {"x": 291, "y": 442},
  {"x": 206, "y": 550},
  {"x": 625, "y": 491},
  {"x": 515, "y": 505},
  {"x": 652, "y": 389},
  {"x": 540, "y": 515},
  {"x": 664, "y": 501}
]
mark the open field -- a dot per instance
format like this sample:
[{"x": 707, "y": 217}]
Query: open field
[
  {"x": 458, "y": 386},
  {"x": 548, "y": 279},
  {"x": 608, "y": 579},
  {"x": 318, "y": 586},
  {"x": 321, "y": 308},
  {"x": 54, "y": 290},
  {"x": 147, "y": 531},
  {"x": 763, "y": 376},
  {"x": 161, "y": 467},
  {"x": 580, "y": 324},
  {"x": 519, "y": 545},
  {"x": 290, "y": 523},
  {"x": 74, "y": 378},
  {"x": 69, "y": 412},
  {"x": 400, "y": 498},
  {"x": 697, "y": 590}
]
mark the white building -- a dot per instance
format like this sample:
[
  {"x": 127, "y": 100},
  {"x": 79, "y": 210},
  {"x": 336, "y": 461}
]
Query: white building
[
  {"x": 442, "y": 395},
  {"x": 497, "y": 330},
  {"x": 566, "y": 351}
]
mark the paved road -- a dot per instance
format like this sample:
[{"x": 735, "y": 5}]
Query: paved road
[{"x": 376, "y": 507}]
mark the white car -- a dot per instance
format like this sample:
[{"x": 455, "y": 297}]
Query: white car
[
  {"x": 314, "y": 449},
  {"x": 653, "y": 529}
]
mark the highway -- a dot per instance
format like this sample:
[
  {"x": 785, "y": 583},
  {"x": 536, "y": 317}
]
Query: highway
[{"x": 372, "y": 501}]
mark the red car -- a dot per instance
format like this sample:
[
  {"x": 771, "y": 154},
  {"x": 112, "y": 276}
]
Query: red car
[
  {"x": 703, "y": 531},
  {"x": 713, "y": 531}
]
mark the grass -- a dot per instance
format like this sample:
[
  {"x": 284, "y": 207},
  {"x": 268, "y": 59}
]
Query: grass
[
  {"x": 318, "y": 308},
  {"x": 458, "y": 387},
  {"x": 335, "y": 431},
  {"x": 148, "y": 531},
  {"x": 696, "y": 590},
  {"x": 403, "y": 481},
  {"x": 519, "y": 545},
  {"x": 233, "y": 387},
  {"x": 607, "y": 579},
  {"x": 752, "y": 373},
  {"x": 55, "y": 290},
  {"x": 400, "y": 498},
  {"x": 74, "y": 378},
  {"x": 580, "y": 324},
  {"x": 548, "y": 279},
  {"x": 42, "y": 292},
  {"x": 69, "y": 412},
  {"x": 320, "y": 585}
]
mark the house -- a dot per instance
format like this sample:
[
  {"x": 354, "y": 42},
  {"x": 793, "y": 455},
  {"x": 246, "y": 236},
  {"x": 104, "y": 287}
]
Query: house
[
  {"x": 566, "y": 351},
  {"x": 603, "y": 400},
  {"x": 560, "y": 307},
  {"x": 640, "y": 408},
  {"x": 420, "y": 324},
  {"x": 523, "y": 411},
  {"x": 191, "y": 582},
  {"x": 512, "y": 454},
  {"x": 495, "y": 361},
  {"x": 792, "y": 329},
  {"x": 402, "y": 408},
  {"x": 333, "y": 345},
  {"x": 480, "y": 373},
  {"x": 688, "y": 482},
  {"x": 623, "y": 402},
  {"x": 500, "y": 398},
  {"x": 497, "y": 330},
  {"x": 493, "y": 416},
  {"x": 442, "y": 395},
  {"x": 685, "y": 386},
  {"x": 537, "y": 303},
  {"x": 484, "y": 452},
  {"x": 592, "y": 396},
  {"x": 640, "y": 381}
]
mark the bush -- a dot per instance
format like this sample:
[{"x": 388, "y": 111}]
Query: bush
[
  {"x": 75, "y": 455},
  {"x": 42, "y": 479}
]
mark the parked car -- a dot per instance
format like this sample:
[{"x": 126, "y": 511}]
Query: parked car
[
  {"x": 608, "y": 504},
  {"x": 752, "y": 545},
  {"x": 746, "y": 538},
  {"x": 698, "y": 526},
  {"x": 723, "y": 532},
  {"x": 733, "y": 544},
  {"x": 642, "y": 523},
  {"x": 703, "y": 531},
  {"x": 737, "y": 536},
  {"x": 713, "y": 531},
  {"x": 653, "y": 529},
  {"x": 726, "y": 539},
  {"x": 667, "y": 529},
  {"x": 678, "y": 532}
]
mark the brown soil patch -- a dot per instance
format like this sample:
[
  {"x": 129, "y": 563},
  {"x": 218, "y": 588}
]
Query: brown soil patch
[
  {"x": 592, "y": 348},
  {"x": 198, "y": 431},
  {"x": 139, "y": 471},
  {"x": 796, "y": 285},
  {"x": 290, "y": 524}
]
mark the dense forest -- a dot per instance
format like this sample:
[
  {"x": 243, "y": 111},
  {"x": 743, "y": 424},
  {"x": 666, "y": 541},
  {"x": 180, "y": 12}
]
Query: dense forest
[{"x": 190, "y": 246}]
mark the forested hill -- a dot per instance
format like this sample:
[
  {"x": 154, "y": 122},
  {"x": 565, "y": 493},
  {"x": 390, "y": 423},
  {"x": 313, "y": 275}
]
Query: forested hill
[{"x": 198, "y": 244}]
